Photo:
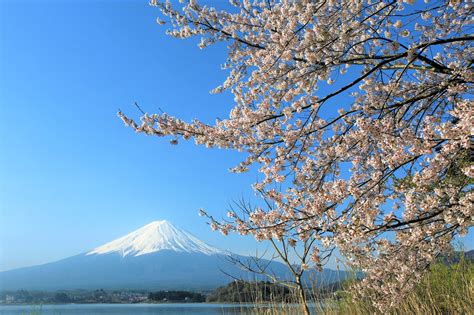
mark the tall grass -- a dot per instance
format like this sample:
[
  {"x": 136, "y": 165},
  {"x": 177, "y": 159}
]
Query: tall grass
[
  {"x": 266, "y": 300},
  {"x": 445, "y": 289}
]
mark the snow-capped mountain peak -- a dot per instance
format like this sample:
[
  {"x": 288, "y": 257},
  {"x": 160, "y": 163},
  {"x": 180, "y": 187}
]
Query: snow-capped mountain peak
[{"x": 154, "y": 237}]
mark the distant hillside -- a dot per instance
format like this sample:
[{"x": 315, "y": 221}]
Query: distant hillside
[
  {"x": 251, "y": 292},
  {"x": 455, "y": 256}
]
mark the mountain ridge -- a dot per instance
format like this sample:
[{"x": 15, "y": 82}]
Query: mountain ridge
[{"x": 157, "y": 256}]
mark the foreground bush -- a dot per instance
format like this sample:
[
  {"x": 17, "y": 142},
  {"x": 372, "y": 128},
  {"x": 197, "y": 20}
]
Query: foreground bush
[{"x": 445, "y": 289}]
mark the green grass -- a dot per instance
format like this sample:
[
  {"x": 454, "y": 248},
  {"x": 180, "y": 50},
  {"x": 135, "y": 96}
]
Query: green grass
[{"x": 445, "y": 289}]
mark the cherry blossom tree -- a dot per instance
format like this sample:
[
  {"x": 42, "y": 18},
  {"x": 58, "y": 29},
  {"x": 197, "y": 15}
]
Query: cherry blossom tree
[
  {"x": 296, "y": 258},
  {"x": 359, "y": 117}
]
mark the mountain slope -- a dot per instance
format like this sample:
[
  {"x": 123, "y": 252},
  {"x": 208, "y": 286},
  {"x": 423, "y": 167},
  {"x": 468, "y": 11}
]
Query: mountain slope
[
  {"x": 156, "y": 256},
  {"x": 153, "y": 237}
]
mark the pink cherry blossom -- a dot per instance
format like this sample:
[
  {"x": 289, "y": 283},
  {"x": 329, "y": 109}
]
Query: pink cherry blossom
[{"x": 361, "y": 110}]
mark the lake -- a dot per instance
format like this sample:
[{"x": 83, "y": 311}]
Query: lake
[{"x": 135, "y": 309}]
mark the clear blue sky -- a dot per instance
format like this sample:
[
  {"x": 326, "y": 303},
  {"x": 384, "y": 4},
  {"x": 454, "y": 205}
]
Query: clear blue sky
[{"x": 72, "y": 176}]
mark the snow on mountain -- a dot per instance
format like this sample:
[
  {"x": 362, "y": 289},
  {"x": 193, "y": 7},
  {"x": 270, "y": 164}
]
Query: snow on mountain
[
  {"x": 154, "y": 237},
  {"x": 158, "y": 256}
]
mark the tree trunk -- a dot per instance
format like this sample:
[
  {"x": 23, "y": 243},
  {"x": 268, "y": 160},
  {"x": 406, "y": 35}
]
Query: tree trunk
[{"x": 302, "y": 296}]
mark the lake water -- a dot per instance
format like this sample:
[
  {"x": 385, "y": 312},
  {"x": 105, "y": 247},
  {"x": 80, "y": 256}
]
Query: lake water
[{"x": 135, "y": 309}]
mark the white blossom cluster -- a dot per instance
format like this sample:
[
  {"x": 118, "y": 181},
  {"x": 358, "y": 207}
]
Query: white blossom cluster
[{"x": 361, "y": 110}]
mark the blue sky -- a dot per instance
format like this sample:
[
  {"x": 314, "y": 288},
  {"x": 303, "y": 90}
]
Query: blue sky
[{"x": 72, "y": 175}]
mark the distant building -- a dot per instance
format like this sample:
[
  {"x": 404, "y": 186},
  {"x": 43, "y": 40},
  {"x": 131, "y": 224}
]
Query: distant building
[{"x": 9, "y": 299}]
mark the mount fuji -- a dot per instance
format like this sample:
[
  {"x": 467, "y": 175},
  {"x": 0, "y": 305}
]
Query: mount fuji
[
  {"x": 155, "y": 237},
  {"x": 156, "y": 256}
]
